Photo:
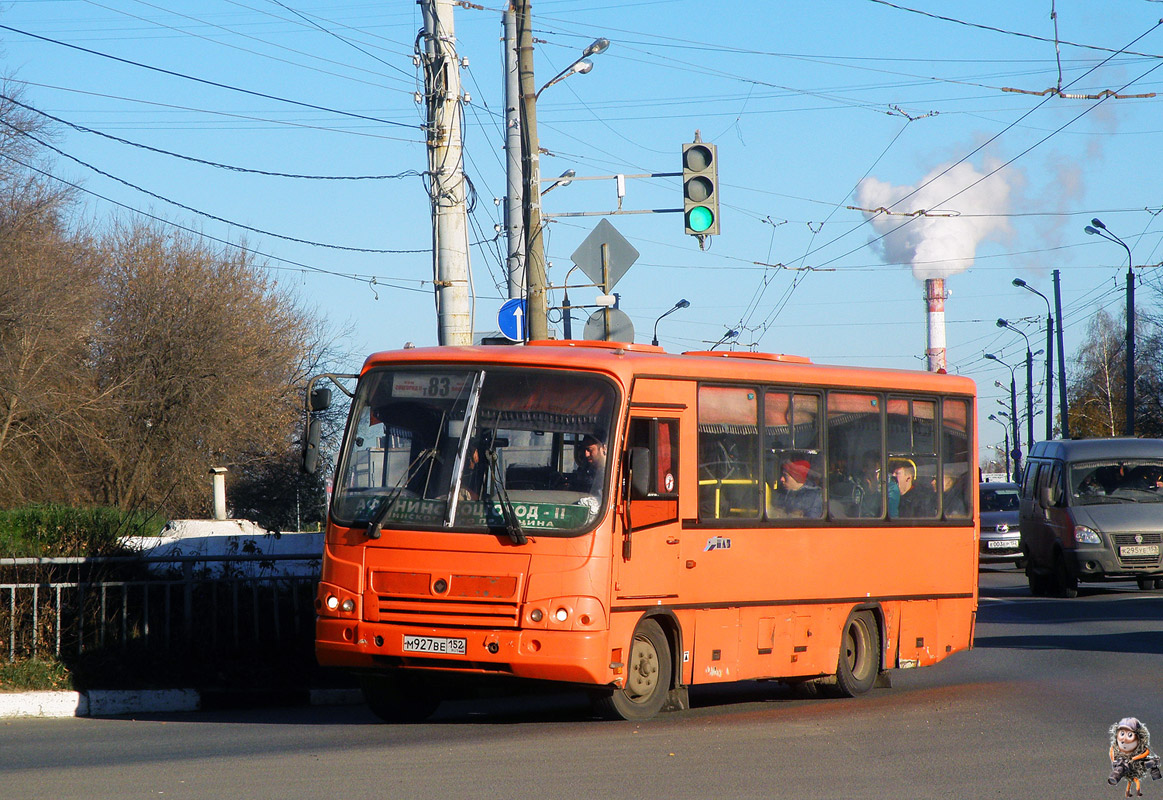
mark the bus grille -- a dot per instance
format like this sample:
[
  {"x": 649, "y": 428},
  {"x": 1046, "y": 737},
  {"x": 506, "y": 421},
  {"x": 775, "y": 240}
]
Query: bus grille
[
  {"x": 446, "y": 613},
  {"x": 1125, "y": 539}
]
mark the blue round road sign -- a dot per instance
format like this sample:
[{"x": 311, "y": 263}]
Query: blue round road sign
[{"x": 511, "y": 319}]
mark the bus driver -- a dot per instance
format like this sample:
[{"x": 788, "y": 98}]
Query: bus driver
[{"x": 591, "y": 465}]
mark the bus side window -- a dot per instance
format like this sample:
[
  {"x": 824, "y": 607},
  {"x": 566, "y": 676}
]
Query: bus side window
[
  {"x": 659, "y": 437},
  {"x": 729, "y": 469},
  {"x": 856, "y": 465},
  {"x": 957, "y": 486}
]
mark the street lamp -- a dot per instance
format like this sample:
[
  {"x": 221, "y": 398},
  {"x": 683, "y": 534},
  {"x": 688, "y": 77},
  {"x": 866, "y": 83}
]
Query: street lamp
[
  {"x": 580, "y": 66},
  {"x": 564, "y": 179},
  {"x": 677, "y": 306},
  {"x": 733, "y": 333},
  {"x": 1097, "y": 228},
  {"x": 1049, "y": 365},
  {"x": 1007, "y": 442},
  {"x": 1001, "y": 323},
  {"x": 1013, "y": 413}
]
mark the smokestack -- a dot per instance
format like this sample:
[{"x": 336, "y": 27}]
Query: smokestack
[
  {"x": 935, "y": 303},
  {"x": 218, "y": 479}
]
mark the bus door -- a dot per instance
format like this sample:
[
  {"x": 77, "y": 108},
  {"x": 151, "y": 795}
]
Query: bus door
[{"x": 647, "y": 563}]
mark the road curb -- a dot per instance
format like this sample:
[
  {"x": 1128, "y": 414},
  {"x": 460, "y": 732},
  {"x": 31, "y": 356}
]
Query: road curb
[{"x": 110, "y": 703}]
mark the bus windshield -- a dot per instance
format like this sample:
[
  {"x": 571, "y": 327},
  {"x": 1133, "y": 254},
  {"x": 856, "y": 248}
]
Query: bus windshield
[
  {"x": 1117, "y": 481},
  {"x": 479, "y": 450}
]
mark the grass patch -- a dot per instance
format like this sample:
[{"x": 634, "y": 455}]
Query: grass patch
[
  {"x": 34, "y": 675},
  {"x": 58, "y": 530}
]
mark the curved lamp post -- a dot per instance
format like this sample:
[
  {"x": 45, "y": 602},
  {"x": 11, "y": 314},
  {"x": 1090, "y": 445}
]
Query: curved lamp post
[
  {"x": 1001, "y": 323},
  {"x": 536, "y": 312},
  {"x": 1017, "y": 454},
  {"x": 1049, "y": 363},
  {"x": 1097, "y": 228},
  {"x": 580, "y": 66},
  {"x": 677, "y": 306},
  {"x": 1004, "y": 428}
]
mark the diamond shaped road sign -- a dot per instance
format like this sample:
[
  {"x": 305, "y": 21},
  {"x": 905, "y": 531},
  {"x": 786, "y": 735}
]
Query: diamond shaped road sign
[{"x": 620, "y": 254}]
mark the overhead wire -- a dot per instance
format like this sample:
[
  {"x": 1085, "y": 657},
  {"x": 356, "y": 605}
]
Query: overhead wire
[
  {"x": 193, "y": 159},
  {"x": 207, "y": 82}
]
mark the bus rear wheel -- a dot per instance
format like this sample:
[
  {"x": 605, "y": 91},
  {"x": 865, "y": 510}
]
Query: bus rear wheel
[
  {"x": 859, "y": 661},
  {"x": 399, "y": 697},
  {"x": 648, "y": 674}
]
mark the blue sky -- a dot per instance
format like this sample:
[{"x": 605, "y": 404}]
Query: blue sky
[{"x": 818, "y": 109}]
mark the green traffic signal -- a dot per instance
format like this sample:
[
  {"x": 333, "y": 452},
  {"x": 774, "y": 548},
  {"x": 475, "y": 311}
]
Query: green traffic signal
[
  {"x": 700, "y": 218},
  {"x": 700, "y": 191}
]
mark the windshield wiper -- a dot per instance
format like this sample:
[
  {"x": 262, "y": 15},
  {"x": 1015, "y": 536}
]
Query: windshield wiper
[
  {"x": 376, "y": 523},
  {"x": 512, "y": 524}
]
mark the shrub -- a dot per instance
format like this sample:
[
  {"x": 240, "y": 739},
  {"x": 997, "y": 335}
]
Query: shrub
[{"x": 57, "y": 530}]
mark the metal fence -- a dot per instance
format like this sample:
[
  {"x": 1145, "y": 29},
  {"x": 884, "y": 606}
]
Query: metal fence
[{"x": 176, "y": 604}]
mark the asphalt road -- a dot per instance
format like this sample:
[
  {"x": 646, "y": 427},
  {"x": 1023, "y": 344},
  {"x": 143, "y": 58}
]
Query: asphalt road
[{"x": 1024, "y": 714}]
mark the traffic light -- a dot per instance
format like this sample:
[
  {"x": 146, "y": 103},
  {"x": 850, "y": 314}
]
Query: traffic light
[{"x": 700, "y": 189}]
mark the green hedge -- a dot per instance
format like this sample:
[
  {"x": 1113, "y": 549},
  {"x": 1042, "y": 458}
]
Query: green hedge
[{"x": 58, "y": 530}]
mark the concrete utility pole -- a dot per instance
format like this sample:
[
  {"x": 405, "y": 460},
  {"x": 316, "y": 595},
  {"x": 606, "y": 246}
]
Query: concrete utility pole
[
  {"x": 514, "y": 207},
  {"x": 442, "y": 98},
  {"x": 536, "y": 308}
]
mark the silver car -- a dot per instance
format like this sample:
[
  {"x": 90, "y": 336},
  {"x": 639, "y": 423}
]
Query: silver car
[{"x": 1000, "y": 536}]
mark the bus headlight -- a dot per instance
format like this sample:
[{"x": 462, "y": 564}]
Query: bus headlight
[
  {"x": 1084, "y": 535},
  {"x": 332, "y": 602},
  {"x": 561, "y": 615}
]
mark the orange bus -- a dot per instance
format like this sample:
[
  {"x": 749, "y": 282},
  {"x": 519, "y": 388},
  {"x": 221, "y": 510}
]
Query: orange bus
[{"x": 636, "y": 522}]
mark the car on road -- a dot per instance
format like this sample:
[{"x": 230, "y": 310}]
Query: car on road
[
  {"x": 1092, "y": 510},
  {"x": 1000, "y": 537}
]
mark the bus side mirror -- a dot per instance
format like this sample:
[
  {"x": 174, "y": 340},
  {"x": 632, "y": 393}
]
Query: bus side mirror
[
  {"x": 311, "y": 448},
  {"x": 641, "y": 465},
  {"x": 319, "y": 399}
]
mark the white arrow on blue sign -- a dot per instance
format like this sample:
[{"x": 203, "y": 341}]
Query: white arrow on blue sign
[{"x": 511, "y": 319}]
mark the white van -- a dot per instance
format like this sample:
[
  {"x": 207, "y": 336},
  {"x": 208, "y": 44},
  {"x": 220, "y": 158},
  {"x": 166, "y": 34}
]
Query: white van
[{"x": 1092, "y": 510}]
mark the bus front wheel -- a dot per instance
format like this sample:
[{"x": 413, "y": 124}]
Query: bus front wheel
[
  {"x": 859, "y": 661},
  {"x": 648, "y": 673},
  {"x": 399, "y": 697}
]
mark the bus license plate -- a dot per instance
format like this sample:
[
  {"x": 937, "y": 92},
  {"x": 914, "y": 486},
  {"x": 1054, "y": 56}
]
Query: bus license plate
[
  {"x": 435, "y": 644},
  {"x": 1139, "y": 550}
]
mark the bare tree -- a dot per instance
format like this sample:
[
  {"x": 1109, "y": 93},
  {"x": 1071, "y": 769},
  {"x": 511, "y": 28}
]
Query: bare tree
[
  {"x": 208, "y": 356},
  {"x": 1097, "y": 387},
  {"x": 47, "y": 318}
]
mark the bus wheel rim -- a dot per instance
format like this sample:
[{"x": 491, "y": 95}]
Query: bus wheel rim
[{"x": 643, "y": 670}]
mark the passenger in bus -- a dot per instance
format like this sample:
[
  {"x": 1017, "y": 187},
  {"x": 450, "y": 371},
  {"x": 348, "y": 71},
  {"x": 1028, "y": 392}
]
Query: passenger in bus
[
  {"x": 797, "y": 495},
  {"x": 953, "y": 493},
  {"x": 894, "y": 488},
  {"x": 917, "y": 500},
  {"x": 590, "y": 455},
  {"x": 867, "y": 495}
]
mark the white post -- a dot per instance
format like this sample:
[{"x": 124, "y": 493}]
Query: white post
[
  {"x": 218, "y": 479},
  {"x": 446, "y": 174}
]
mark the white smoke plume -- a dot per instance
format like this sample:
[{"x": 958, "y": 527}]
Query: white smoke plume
[{"x": 943, "y": 241}]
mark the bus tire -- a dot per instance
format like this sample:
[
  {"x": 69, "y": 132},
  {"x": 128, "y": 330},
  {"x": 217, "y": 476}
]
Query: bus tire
[
  {"x": 859, "y": 660},
  {"x": 398, "y": 697},
  {"x": 648, "y": 674}
]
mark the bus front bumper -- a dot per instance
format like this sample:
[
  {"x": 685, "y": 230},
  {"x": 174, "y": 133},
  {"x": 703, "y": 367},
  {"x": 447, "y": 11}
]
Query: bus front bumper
[{"x": 566, "y": 656}]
